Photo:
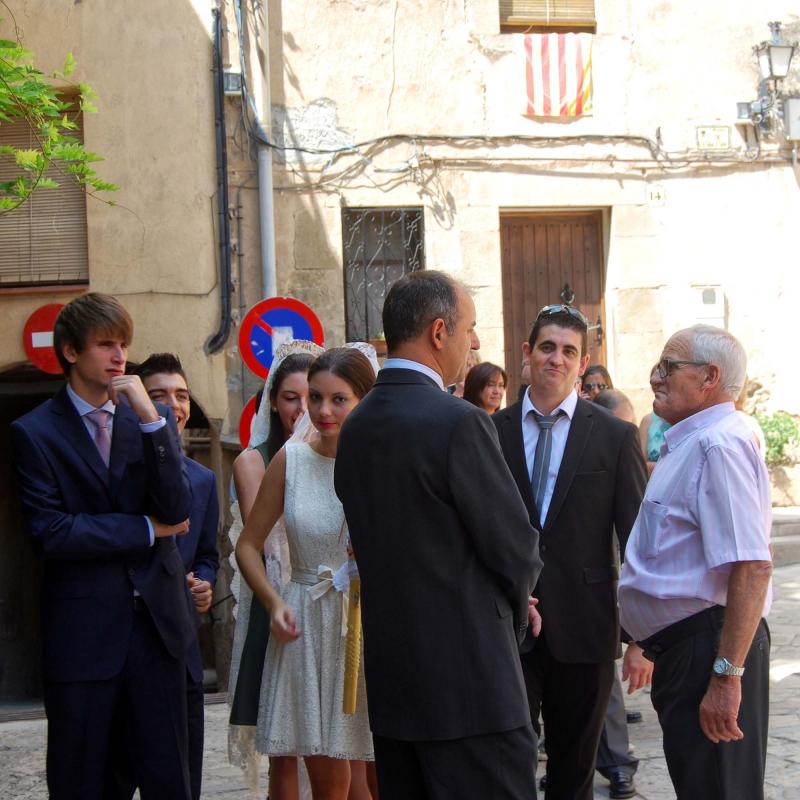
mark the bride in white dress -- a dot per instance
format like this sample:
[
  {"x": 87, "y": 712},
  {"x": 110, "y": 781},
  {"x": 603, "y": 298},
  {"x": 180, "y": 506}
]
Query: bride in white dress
[{"x": 301, "y": 713}]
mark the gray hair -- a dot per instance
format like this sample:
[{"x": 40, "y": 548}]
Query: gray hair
[
  {"x": 415, "y": 301},
  {"x": 717, "y": 346}
]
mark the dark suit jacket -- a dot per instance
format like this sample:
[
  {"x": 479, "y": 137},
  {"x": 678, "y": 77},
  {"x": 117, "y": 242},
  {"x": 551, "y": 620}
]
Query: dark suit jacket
[
  {"x": 87, "y": 522},
  {"x": 600, "y": 486},
  {"x": 198, "y": 548},
  {"x": 447, "y": 558}
]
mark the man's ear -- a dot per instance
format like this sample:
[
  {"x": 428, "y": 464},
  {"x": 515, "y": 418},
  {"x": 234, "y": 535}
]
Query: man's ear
[
  {"x": 584, "y": 364},
  {"x": 438, "y": 332},
  {"x": 526, "y": 352},
  {"x": 713, "y": 376},
  {"x": 69, "y": 352}
]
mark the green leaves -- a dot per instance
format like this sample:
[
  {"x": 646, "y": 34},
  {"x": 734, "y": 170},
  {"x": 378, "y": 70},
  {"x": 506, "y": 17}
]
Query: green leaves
[
  {"x": 26, "y": 94},
  {"x": 782, "y": 434}
]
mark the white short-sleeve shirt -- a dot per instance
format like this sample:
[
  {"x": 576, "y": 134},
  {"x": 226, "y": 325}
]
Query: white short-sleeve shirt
[{"x": 707, "y": 506}]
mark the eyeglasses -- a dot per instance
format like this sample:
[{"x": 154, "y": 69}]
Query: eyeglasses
[
  {"x": 590, "y": 387},
  {"x": 667, "y": 366},
  {"x": 561, "y": 308}
]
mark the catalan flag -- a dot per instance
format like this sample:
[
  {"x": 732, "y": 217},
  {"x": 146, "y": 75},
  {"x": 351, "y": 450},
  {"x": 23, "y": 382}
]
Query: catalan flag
[{"x": 558, "y": 74}]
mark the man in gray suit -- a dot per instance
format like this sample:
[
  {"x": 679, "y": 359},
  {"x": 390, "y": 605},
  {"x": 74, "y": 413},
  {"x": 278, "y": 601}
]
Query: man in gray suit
[{"x": 447, "y": 558}]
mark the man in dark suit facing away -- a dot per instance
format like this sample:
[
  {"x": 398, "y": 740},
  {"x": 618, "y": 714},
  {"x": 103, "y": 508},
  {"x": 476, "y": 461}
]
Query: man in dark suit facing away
[
  {"x": 104, "y": 493},
  {"x": 447, "y": 558},
  {"x": 165, "y": 382},
  {"x": 582, "y": 475}
]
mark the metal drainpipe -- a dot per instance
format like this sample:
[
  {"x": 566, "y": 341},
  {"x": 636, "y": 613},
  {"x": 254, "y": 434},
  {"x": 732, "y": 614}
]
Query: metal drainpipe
[
  {"x": 217, "y": 340},
  {"x": 266, "y": 212}
]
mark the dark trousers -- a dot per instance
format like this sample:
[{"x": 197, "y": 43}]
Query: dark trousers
[
  {"x": 612, "y": 750},
  {"x": 195, "y": 708},
  {"x": 139, "y": 715},
  {"x": 494, "y": 766},
  {"x": 573, "y": 699},
  {"x": 697, "y": 766}
]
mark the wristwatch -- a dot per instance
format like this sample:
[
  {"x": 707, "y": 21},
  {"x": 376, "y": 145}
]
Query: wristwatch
[{"x": 723, "y": 667}]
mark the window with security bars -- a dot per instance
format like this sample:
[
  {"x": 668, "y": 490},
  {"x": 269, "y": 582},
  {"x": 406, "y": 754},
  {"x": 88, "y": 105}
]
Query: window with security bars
[
  {"x": 547, "y": 16},
  {"x": 379, "y": 246},
  {"x": 43, "y": 241}
]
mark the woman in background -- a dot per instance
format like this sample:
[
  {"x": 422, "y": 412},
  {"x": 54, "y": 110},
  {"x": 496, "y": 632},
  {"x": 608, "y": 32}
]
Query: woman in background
[
  {"x": 485, "y": 386},
  {"x": 300, "y": 712},
  {"x": 283, "y": 402},
  {"x": 596, "y": 379}
]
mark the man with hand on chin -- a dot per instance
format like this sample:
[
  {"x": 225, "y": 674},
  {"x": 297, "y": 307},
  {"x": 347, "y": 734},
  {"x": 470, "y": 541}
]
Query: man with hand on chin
[
  {"x": 104, "y": 493},
  {"x": 696, "y": 583},
  {"x": 165, "y": 382}
]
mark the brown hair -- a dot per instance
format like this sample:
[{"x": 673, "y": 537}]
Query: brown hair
[
  {"x": 87, "y": 314},
  {"x": 477, "y": 379},
  {"x": 348, "y": 364},
  {"x": 597, "y": 369}
]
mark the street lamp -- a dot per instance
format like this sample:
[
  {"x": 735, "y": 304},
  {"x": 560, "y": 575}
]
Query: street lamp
[
  {"x": 775, "y": 56},
  {"x": 774, "y": 60}
]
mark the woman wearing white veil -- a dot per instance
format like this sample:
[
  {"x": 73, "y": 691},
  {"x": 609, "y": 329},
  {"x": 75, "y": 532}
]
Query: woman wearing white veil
[
  {"x": 283, "y": 404},
  {"x": 301, "y": 711}
]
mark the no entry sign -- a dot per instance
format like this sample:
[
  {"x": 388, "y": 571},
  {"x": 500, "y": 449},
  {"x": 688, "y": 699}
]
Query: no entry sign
[
  {"x": 270, "y": 323},
  {"x": 37, "y": 338},
  {"x": 246, "y": 422}
]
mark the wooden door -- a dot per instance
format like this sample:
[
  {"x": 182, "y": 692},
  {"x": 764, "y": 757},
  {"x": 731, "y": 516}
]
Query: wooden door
[{"x": 550, "y": 258}]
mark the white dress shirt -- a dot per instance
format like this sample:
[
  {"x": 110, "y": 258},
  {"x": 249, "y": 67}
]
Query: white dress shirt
[
  {"x": 559, "y": 433},
  {"x": 407, "y": 363},
  {"x": 707, "y": 506},
  {"x": 83, "y": 408}
]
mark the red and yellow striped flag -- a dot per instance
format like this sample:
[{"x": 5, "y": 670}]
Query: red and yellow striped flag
[{"x": 558, "y": 74}]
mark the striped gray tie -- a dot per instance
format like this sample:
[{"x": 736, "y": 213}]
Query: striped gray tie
[{"x": 541, "y": 459}]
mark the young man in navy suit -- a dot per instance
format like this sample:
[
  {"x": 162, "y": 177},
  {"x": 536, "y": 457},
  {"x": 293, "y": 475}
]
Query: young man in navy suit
[
  {"x": 104, "y": 494},
  {"x": 165, "y": 382}
]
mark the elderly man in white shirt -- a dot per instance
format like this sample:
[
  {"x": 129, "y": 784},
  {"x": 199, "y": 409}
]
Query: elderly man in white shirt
[{"x": 696, "y": 582}]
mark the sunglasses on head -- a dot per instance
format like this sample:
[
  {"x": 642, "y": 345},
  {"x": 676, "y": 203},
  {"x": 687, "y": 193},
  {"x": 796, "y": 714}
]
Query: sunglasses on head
[{"x": 561, "y": 308}]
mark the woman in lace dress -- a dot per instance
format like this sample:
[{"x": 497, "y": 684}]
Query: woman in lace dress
[
  {"x": 301, "y": 710},
  {"x": 283, "y": 403}
]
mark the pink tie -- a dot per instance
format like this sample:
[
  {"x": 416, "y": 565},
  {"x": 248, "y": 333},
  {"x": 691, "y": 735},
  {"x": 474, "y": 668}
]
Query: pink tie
[{"x": 100, "y": 418}]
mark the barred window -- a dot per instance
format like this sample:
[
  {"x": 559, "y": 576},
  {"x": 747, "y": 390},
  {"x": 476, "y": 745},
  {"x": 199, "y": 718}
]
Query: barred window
[
  {"x": 44, "y": 240},
  {"x": 379, "y": 246}
]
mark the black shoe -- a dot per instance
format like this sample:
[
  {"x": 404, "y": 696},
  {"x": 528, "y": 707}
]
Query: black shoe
[
  {"x": 621, "y": 784},
  {"x": 633, "y": 717},
  {"x": 543, "y": 783}
]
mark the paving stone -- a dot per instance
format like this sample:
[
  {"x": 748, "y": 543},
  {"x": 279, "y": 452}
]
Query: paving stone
[{"x": 22, "y": 744}]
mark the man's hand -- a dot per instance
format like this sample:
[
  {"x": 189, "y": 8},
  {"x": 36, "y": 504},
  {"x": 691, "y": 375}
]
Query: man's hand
[
  {"x": 131, "y": 386},
  {"x": 720, "y": 708},
  {"x": 534, "y": 617},
  {"x": 160, "y": 529},
  {"x": 636, "y": 669},
  {"x": 201, "y": 593}
]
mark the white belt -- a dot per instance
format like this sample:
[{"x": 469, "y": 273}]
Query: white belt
[{"x": 319, "y": 583}]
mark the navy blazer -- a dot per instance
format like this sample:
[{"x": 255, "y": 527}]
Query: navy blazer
[
  {"x": 87, "y": 522},
  {"x": 198, "y": 548}
]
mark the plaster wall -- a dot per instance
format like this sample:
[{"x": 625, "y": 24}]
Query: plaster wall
[
  {"x": 355, "y": 70},
  {"x": 155, "y": 248}
]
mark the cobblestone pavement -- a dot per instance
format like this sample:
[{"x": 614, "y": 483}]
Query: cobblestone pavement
[{"x": 22, "y": 743}]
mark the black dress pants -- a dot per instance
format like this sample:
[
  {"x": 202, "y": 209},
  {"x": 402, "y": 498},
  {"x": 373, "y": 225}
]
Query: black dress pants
[
  {"x": 612, "y": 751},
  {"x": 573, "y": 699},
  {"x": 698, "y": 767},
  {"x": 494, "y": 766},
  {"x": 138, "y": 715}
]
